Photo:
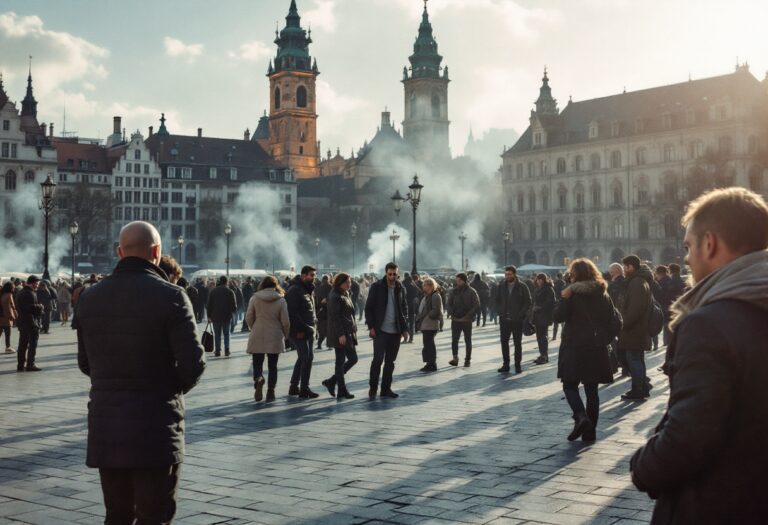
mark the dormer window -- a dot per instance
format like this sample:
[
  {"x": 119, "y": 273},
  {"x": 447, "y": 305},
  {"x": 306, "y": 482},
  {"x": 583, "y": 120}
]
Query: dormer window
[{"x": 537, "y": 138}]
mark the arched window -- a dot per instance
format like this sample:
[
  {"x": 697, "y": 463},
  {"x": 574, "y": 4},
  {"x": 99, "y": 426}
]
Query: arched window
[
  {"x": 520, "y": 203},
  {"x": 435, "y": 106},
  {"x": 756, "y": 179},
  {"x": 562, "y": 198},
  {"x": 301, "y": 97},
  {"x": 596, "y": 228},
  {"x": 594, "y": 161},
  {"x": 545, "y": 199},
  {"x": 640, "y": 156},
  {"x": 579, "y": 199},
  {"x": 617, "y": 194},
  {"x": 532, "y": 231},
  {"x": 562, "y": 231},
  {"x": 560, "y": 165},
  {"x": 615, "y": 159},
  {"x": 578, "y": 163},
  {"x": 29, "y": 177},
  {"x": 544, "y": 231},
  {"x": 643, "y": 191},
  {"x": 597, "y": 196},
  {"x": 669, "y": 152},
  {"x": 618, "y": 229},
  {"x": 10, "y": 180},
  {"x": 671, "y": 226},
  {"x": 277, "y": 98},
  {"x": 580, "y": 231},
  {"x": 643, "y": 228},
  {"x": 695, "y": 149}
]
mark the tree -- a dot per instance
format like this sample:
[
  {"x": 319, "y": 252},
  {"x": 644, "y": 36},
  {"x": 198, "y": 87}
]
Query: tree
[{"x": 92, "y": 208}]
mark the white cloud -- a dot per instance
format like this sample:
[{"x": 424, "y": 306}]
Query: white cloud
[
  {"x": 322, "y": 16},
  {"x": 252, "y": 51},
  {"x": 493, "y": 104},
  {"x": 178, "y": 49}
]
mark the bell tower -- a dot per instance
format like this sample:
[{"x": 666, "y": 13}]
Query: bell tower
[
  {"x": 292, "y": 108},
  {"x": 426, "y": 124}
]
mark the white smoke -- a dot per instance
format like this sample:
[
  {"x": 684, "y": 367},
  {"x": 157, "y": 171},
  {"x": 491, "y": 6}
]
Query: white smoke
[{"x": 380, "y": 246}]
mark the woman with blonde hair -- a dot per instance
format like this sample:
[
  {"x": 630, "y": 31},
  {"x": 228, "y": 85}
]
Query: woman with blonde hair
[
  {"x": 428, "y": 319},
  {"x": 590, "y": 324},
  {"x": 267, "y": 319},
  {"x": 342, "y": 334}
]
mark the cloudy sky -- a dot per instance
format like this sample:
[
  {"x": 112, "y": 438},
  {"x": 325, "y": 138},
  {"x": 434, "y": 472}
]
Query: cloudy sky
[{"x": 203, "y": 63}]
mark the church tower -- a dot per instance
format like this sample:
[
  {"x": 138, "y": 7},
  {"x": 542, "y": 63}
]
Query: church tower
[
  {"x": 425, "y": 128},
  {"x": 292, "y": 109}
]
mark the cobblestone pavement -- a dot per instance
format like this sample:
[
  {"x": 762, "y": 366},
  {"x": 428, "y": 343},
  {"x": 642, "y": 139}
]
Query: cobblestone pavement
[{"x": 462, "y": 445}]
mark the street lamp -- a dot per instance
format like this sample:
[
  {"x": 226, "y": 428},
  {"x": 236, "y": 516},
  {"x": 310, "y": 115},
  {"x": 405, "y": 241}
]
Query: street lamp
[
  {"x": 506, "y": 237},
  {"x": 73, "y": 232},
  {"x": 414, "y": 197},
  {"x": 394, "y": 238},
  {"x": 47, "y": 204},
  {"x": 462, "y": 238},
  {"x": 227, "y": 233},
  {"x": 317, "y": 253},
  {"x": 180, "y": 242},
  {"x": 353, "y": 233}
]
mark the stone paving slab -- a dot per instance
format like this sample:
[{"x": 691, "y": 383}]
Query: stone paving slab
[{"x": 462, "y": 445}]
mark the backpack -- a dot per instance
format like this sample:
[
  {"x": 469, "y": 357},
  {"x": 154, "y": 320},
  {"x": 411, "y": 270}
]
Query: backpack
[{"x": 656, "y": 319}]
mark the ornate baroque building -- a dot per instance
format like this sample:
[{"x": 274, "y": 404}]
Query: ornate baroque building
[{"x": 610, "y": 176}]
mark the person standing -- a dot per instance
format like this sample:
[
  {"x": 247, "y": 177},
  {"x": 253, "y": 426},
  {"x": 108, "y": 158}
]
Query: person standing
[
  {"x": 543, "y": 309},
  {"x": 202, "y": 294},
  {"x": 301, "y": 311},
  {"x": 30, "y": 311},
  {"x": 590, "y": 322},
  {"x": 222, "y": 305},
  {"x": 616, "y": 290},
  {"x": 268, "y": 321},
  {"x": 142, "y": 355},
  {"x": 412, "y": 292},
  {"x": 463, "y": 306},
  {"x": 321, "y": 309},
  {"x": 483, "y": 293},
  {"x": 234, "y": 285},
  {"x": 247, "y": 291},
  {"x": 342, "y": 334},
  {"x": 634, "y": 338},
  {"x": 46, "y": 298},
  {"x": 428, "y": 323},
  {"x": 559, "y": 285},
  {"x": 63, "y": 299},
  {"x": 513, "y": 300},
  {"x": 706, "y": 460},
  {"x": 493, "y": 289},
  {"x": 8, "y": 314},
  {"x": 386, "y": 315}
]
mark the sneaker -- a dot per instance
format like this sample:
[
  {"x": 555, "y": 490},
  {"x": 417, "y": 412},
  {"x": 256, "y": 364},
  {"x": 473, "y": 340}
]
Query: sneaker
[
  {"x": 258, "y": 395},
  {"x": 10, "y": 350},
  {"x": 308, "y": 394},
  {"x": 330, "y": 386},
  {"x": 454, "y": 361},
  {"x": 389, "y": 393},
  {"x": 293, "y": 390},
  {"x": 504, "y": 369},
  {"x": 33, "y": 368}
]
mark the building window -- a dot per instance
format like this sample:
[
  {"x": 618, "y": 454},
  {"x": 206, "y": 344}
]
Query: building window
[
  {"x": 543, "y": 168},
  {"x": 614, "y": 129},
  {"x": 560, "y": 165},
  {"x": 128, "y": 214},
  {"x": 146, "y": 169},
  {"x": 537, "y": 139},
  {"x": 154, "y": 214},
  {"x": 562, "y": 199},
  {"x": 118, "y": 181},
  {"x": 29, "y": 177},
  {"x": 756, "y": 179},
  {"x": 6, "y": 125},
  {"x": 669, "y": 152},
  {"x": 177, "y": 197},
  {"x": 145, "y": 214},
  {"x": 301, "y": 97},
  {"x": 174, "y": 154},
  {"x": 578, "y": 163},
  {"x": 190, "y": 231},
  {"x": 579, "y": 200},
  {"x": 119, "y": 196},
  {"x": 594, "y": 161},
  {"x": 10, "y": 180},
  {"x": 639, "y": 125},
  {"x": 128, "y": 197},
  {"x": 643, "y": 195},
  {"x": 520, "y": 203},
  {"x": 593, "y": 131},
  {"x": 189, "y": 214},
  {"x": 5, "y": 150},
  {"x": 145, "y": 198},
  {"x": 532, "y": 202},
  {"x": 171, "y": 172},
  {"x": 618, "y": 193},
  {"x": 212, "y": 173},
  {"x": 163, "y": 214},
  {"x": 137, "y": 154},
  {"x": 118, "y": 214},
  {"x": 272, "y": 175},
  {"x": 277, "y": 98},
  {"x": 155, "y": 197},
  {"x": 519, "y": 170},
  {"x": 596, "y": 196},
  {"x": 695, "y": 149},
  {"x": 14, "y": 151},
  {"x": 615, "y": 159},
  {"x": 640, "y": 156},
  {"x": 562, "y": 231},
  {"x": 545, "y": 201},
  {"x": 596, "y": 229},
  {"x": 618, "y": 229},
  {"x": 435, "y": 106},
  {"x": 544, "y": 231},
  {"x": 137, "y": 197},
  {"x": 643, "y": 228},
  {"x": 186, "y": 173},
  {"x": 128, "y": 167},
  {"x": 581, "y": 231},
  {"x": 176, "y": 214},
  {"x": 62, "y": 177},
  {"x": 531, "y": 169}
]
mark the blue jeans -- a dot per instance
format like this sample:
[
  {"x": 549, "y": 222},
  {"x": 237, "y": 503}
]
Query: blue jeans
[
  {"x": 218, "y": 329},
  {"x": 636, "y": 361},
  {"x": 346, "y": 358},
  {"x": 304, "y": 357}
]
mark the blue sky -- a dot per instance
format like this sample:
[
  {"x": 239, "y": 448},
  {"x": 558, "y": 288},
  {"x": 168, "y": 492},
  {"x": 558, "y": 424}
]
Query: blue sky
[{"x": 203, "y": 62}]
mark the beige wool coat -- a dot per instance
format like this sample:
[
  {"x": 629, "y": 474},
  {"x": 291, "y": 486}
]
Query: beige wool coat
[{"x": 267, "y": 318}]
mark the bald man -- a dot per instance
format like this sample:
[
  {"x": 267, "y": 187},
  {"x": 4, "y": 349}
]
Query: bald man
[{"x": 137, "y": 341}]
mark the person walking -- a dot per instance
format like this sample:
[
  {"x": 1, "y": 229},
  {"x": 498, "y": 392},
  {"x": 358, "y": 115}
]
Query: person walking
[
  {"x": 484, "y": 294},
  {"x": 137, "y": 341},
  {"x": 63, "y": 300},
  {"x": 8, "y": 314},
  {"x": 590, "y": 322},
  {"x": 513, "y": 300},
  {"x": 559, "y": 285},
  {"x": 616, "y": 290},
  {"x": 412, "y": 293},
  {"x": 239, "y": 305},
  {"x": 221, "y": 307},
  {"x": 493, "y": 289},
  {"x": 30, "y": 312},
  {"x": 342, "y": 334},
  {"x": 463, "y": 306},
  {"x": 202, "y": 293},
  {"x": 46, "y": 298},
  {"x": 247, "y": 290},
  {"x": 543, "y": 309},
  {"x": 301, "y": 311},
  {"x": 321, "y": 309},
  {"x": 269, "y": 325},
  {"x": 706, "y": 460},
  {"x": 386, "y": 315},
  {"x": 634, "y": 338},
  {"x": 428, "y": 323}
]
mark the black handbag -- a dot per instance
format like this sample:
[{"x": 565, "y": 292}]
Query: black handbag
[{"x": 207, "y": 338}]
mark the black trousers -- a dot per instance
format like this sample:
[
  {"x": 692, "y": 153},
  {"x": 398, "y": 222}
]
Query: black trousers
[
  {"x": 346, "y": 358},
  {"x": 514, "y": 329},
  {"x": 140, "y": 496},
  {"x": 482, "y": 313},
  {"x": 429, "y": 353},
  {"x": 571, "y": 391},
  {"x": 258, "y": 368},
  {"x": 457, "y": 328},
  {"x": 25, "y": 354},
  {"x": 45, "y": 321},
  {"x": 542, "y": 339},
  {"x": 385, "y": 349},
  {"x": 7, "y": 331}
]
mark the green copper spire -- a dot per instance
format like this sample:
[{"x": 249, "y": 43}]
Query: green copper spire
[
  {"x": 425, "y": 61},
  {"x": 29, "y": 104},
  {"x": 293, "y": 44},
  {"x": 546, "y": 105},
  {"x": 162, "y": 130}
]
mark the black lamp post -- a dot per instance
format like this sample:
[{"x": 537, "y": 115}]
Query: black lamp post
[
  {"x": 47, "y": 204},
  {"x": 73, "y": 232},
  {"x": 394, "y": 238},
  {"x": 227, "y": 234},
  {"x": 462, "y": 238},
  {"x": 506, "y": 237},
  {"x": 353, "y": 233},
  {"x": 414, "y": 197},
  {"x": 317, "y": 253},
  {"x": 180, "y": 242}
]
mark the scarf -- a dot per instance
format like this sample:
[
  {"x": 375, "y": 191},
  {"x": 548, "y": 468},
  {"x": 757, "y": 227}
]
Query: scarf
[{"x": 743, "y": 279}]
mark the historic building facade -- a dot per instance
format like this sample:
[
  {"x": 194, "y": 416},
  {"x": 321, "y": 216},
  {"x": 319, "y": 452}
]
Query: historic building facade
[{"x": 607, "y": 177}]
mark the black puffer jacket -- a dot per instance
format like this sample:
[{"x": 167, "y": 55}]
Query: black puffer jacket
[
  {"x": 301, "y": 307},
  {"x": 341, "y": 318},
  {"x": 376, "y": 306},
  {"x": 544, "y": 305},
  {"x": 137, "y": 341},
  {"x": 28, "y": 308}
]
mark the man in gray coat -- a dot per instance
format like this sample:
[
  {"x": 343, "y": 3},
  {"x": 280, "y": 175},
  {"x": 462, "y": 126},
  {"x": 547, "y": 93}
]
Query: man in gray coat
[{"x": 137, "y": 341}]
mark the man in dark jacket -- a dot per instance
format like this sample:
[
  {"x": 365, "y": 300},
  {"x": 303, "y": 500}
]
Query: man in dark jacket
[
  {"x": 222, "y": 305},
  {"x": 247, "y": 291},
  {"x": 706, "y": 461},
  {"x": 29, "y": 312},
  {"x": 239, "y": 307},
  {"x": 634, "y": 338},
  {"x": 321, "y": 309},
  {"x": 46, "y": 297},
  {"x": 543, "y": 313},
  {"x": 616, "y": 290},
  {"x": 142, "y": 355},
  {"x": 558, "y": 285},
  {"x": 412, "y": 293},
  {"x": 386, "y": 314},
  {"x": 483, "y": 294},
  {"x": 202, "y": 294},
  {"x": 463, "y": 305},
  {"x": 301, "y": 312},
  {"x": 513, "y": 301}
]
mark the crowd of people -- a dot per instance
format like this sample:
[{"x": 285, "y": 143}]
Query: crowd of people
[{"x": 702, "y": 459}]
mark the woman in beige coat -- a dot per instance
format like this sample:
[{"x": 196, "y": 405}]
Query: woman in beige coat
[
  {"x": 267, "y": 319},
  {"x": 7, "y": 314}
]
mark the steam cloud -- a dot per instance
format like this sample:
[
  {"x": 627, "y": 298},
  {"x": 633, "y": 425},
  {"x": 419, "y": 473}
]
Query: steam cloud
[{"x": 380, "y": 247}]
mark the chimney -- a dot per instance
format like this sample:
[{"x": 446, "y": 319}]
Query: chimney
[
  {"x": 50, "y": 130},
  {"x": 116, "y": 122},
  {"x": 151, "y": 130},
  {"x": 247, "y": 135},
  {"x": 199, "y": 132},
  {"x": 385, "y": 120},
  {"x": 123, "y": 134},
  {"x": 44, "y": 129}
]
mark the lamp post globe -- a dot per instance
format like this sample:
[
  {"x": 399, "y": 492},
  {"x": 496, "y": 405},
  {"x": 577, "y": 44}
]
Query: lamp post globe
[
  {"x": 227, "y": 234},
  {"x": 180, "y": 242},
  {"x": 414, "y": 197},
  {"x": 353, "y": 233},
  {"x": 317, "y": 253},
  {"x": 73, "y": 228}
]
